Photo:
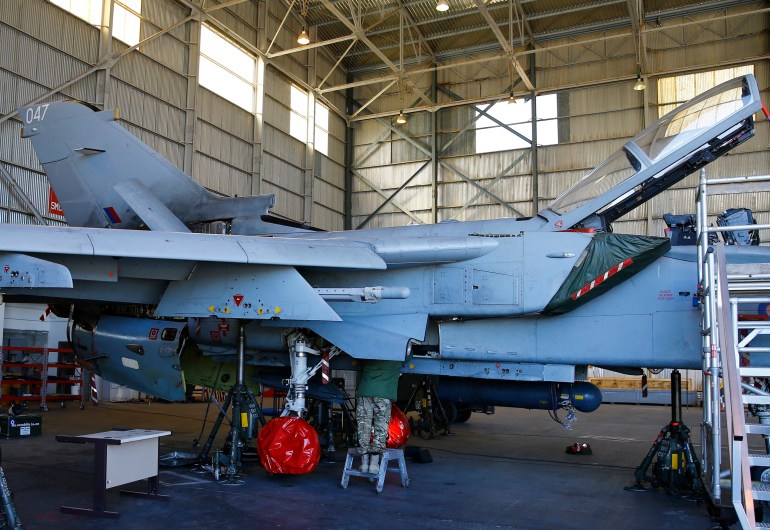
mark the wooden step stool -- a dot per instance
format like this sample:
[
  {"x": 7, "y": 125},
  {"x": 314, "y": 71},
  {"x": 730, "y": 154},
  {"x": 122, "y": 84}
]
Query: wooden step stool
[{"x": 354, "y": 454}]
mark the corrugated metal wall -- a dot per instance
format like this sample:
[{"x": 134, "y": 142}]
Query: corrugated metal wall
[
  {"x": 150, "y": 87},
  {"x": 597, "y": 114},
  {"x": 45, "y": 46}
]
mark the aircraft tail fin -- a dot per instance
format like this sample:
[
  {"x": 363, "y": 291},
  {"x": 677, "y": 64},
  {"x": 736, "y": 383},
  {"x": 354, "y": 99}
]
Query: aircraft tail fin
[{"x": 104, "y": 176}]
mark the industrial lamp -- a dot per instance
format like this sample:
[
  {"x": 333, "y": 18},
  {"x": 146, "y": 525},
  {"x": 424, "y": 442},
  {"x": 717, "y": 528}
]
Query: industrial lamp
[
  {"x": 442, "y": 5},
  {"x": 401, "y": 119},
  {"x": 640, "y": 84},
  {"x": 303, "y": 38}
]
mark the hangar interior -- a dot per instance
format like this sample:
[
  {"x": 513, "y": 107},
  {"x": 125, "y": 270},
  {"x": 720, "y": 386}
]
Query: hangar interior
[
  {"x": 393, "y": 113},
  {"x": 316, "y": 124}
]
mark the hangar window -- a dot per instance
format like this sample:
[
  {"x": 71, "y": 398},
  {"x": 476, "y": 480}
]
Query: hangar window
[
  {"x": 125, "y": 21},
  {"x": 322, "y": 129},
  {"x": 126, "y": 16},
  {"x": 491, "y": 136},
  {"x": 673, "y": 91},
  {"x": 298, "y": 120},
  {"x": 226, "y": 69},
  {"x": 298, "y": 114},
  {"x": 88, "y": 10}
]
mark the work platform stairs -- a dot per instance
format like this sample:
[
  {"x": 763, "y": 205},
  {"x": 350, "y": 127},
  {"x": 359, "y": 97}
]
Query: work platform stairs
[{"x": 736, "y": 395}]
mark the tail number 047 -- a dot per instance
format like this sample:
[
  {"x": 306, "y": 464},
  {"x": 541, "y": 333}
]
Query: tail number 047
[{"x": 35, "y": 113}]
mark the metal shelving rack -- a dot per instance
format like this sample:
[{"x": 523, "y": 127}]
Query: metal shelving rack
[{"x": 33, "y": 378}]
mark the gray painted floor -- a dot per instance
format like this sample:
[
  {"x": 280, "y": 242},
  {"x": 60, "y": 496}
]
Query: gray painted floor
[{"x": 507, "y": 470}]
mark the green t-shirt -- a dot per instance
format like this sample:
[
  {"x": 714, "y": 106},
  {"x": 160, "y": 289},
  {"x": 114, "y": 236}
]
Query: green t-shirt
[{"x": 379, "y": 379}]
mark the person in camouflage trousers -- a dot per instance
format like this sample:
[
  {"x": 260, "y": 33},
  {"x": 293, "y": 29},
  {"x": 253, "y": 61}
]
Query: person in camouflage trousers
[
  {"x": 376, "y": 391},
  {"x": 373, "y": 415}
]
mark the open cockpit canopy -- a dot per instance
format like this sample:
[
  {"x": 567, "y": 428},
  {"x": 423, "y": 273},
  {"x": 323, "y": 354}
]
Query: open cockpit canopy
[{"x": 681, "y": 142}]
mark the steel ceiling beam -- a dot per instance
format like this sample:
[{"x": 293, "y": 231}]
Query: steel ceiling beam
[
  {"x": 525, "y": 19},
  {"x": 491, "y": 47},
  {"x": 250, "y": 47},
  {"x": 636, "y": 14},
  {"x": 310, "y": 46},
  {"x": 500, "y": 7},
  {"x": 507, "y": 48},
  {"x": 420, "y": 37},
  {"x": 327, "y": 42},
  {"x": 540, "y": 38},
  {"x": 361, "y": 35},
  {"x": 223, "y": 5},
  {"x": 485, "y": 26},
  {"x": 374, "y": 97},
  {"x": 454, "y": 13},
  {"x": 569, "y": 86}
]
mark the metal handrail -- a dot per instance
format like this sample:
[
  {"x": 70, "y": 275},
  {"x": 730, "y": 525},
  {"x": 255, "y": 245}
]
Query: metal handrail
[
  {"x": 739, "y": 455},
  {"x": 719, "y": 329},
  {"x": 738, "y": 180},
  {"x": 736, "y": 228}
]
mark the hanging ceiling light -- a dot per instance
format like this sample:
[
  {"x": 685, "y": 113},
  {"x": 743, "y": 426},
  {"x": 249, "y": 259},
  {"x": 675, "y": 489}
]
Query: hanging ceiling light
[
  {"x": 303, "y": 38},
  {"x": 640, "y": 84},
  {"x": 401, "y": 119},
  {"x": 442, "y": 5},
  {"x": 511, "y": 98}
]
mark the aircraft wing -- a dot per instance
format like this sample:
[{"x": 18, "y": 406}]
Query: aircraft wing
[
  {"x": 175, "y": 246},
  {"x": 202, "y": 275},
  {"x": 185, "y": 274}
]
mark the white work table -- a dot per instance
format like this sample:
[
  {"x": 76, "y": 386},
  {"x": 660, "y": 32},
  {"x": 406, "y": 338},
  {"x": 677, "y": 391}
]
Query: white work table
[{"x": 121, "y": 457}]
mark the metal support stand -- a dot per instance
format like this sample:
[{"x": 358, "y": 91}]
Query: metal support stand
[
  {"x": 325, "y": 425},
  {"x": 245, "y": 412},
  {"x": 10, "y": 516},
  {"x": 433, "y": 417},
  {"x": 675, "y": 466}
]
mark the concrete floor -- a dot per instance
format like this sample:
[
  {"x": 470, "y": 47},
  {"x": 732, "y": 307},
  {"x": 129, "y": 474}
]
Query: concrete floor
[{"x": 507, "y": 470}]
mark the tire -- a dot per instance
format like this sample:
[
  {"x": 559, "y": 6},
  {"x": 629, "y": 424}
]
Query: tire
[
  {"x": 463, "y": 415},
  {"x": 450, "y": 409}
]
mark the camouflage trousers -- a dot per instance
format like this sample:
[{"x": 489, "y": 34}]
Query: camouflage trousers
[{"x": 373, "y": 416}]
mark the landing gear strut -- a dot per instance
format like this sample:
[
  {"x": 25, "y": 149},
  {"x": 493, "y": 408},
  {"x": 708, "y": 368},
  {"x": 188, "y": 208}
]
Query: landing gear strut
[
  {"x": 289, "y": 444},
  {"x": 674, "y": 464},
  {"x": 300, "y": 347}
]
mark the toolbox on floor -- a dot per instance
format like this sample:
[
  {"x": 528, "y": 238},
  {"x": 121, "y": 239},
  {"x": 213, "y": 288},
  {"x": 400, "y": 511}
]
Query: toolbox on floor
[{"x": 20, "y": 426}]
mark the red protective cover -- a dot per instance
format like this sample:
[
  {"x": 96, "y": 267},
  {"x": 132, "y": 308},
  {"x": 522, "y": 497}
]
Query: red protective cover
[
  {"x": 398, "y": 430},
  {"x": 288, "y": 446}
]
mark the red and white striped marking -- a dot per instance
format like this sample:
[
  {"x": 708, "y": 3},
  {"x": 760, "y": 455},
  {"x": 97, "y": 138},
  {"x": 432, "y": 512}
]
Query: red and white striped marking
[
  {"x": 94, "y": 391},
  {"x": 599, "y": 279},
  {"x": 45, "y": 313},
  {"x": 325, "y": 375}
]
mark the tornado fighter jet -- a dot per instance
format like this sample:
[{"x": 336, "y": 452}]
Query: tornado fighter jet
[{"x": 507, "y": 312}]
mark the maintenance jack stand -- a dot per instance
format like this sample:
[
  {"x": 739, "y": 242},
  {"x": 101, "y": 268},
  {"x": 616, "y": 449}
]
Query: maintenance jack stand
[
  {"x": 245, "y": 411},
  {"x": 10, "y": 519},
  {"x": 674, "y": 464},
  {"x": 432, "y": 417}
]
